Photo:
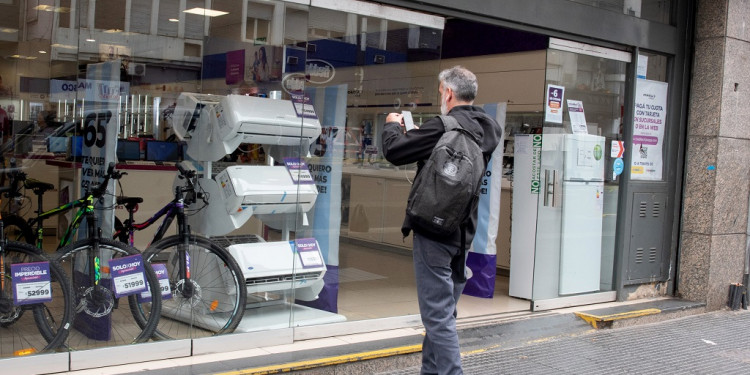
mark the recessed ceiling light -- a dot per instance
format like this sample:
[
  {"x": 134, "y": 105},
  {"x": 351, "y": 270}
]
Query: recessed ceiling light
[
  {"x": 51, "y": 8},
  {"x": 90, "y": 40},
  {"x": 206, "y": 12},
  {"x": 42, "y": 51},
  {"x": 174, "y": 20}
]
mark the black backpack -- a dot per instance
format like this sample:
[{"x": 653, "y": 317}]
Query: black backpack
[{"x": 446, "y": 190}]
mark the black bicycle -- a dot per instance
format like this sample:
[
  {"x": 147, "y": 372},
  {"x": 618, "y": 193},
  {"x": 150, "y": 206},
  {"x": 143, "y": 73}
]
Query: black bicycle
[
  {"x": 31, "y": 282},
  {"x": 103, "y": 272},
  {"x": 203, "y": 288}
]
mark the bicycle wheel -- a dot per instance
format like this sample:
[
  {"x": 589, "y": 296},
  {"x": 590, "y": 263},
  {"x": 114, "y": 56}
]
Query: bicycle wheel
[
  {"x": 101, "y": 319},
  {"x": 17, "y": 229},
  {"x": 212, "y": 302},
  {"x": 35, "y": 327}
]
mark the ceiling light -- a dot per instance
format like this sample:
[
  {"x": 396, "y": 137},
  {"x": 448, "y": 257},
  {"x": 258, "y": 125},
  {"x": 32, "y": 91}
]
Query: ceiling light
[
  {"x": 42, "y": 51},
  {"x": 91, "y": 40},
  {"x": 174, "y": 20},
  {"x": 206, "y": 12},
  {"x": 51, "y": 8}
]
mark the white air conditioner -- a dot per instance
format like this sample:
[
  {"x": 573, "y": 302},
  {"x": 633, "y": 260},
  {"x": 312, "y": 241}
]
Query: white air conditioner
[{"x": 135, "y": 69}]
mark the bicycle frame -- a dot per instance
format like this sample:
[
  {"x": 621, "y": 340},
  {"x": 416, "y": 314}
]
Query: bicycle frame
[
  {"x": 85, "y": 207},
  {"x": 170, "y": 210}
]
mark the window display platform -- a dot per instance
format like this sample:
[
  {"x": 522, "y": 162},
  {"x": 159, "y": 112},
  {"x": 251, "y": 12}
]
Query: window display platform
[{"x": 279, "y": 315}]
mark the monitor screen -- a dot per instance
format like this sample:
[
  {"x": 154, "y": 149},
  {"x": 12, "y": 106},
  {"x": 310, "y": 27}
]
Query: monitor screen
[
  {"x": 128, "y": 149},
  {"x": 162, "y": 151},
  {"x": 75, "y": 147},
  {"x": 57, "y": 144}
]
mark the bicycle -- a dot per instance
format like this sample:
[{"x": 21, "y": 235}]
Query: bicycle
[
  {"x": 16, "y": 227},
  {"x": 99, "y": 319},
  {"x": 206, "y": 287},
  {"x": 30, "y": 281}
]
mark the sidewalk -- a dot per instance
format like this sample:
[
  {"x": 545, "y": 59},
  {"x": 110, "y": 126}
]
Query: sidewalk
[
  {"x": 658, "y": 336},
  {"x": 711, "y": 343}
]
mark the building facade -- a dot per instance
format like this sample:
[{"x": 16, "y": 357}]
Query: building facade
[{"x": 623, "y": 173}]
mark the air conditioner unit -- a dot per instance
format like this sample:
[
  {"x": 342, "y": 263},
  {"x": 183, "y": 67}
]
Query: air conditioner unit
[{"x": 137, "y": 69}]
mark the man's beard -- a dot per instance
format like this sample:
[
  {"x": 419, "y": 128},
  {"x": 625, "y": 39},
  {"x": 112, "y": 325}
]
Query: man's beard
[{"x": 443, "y": 105}]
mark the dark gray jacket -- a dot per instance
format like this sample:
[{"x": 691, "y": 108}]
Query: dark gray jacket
[{"x": 416, "y": 145}]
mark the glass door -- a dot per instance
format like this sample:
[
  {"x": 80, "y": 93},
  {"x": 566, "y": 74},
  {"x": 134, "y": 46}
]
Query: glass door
[{"x": 578, "y": 163}]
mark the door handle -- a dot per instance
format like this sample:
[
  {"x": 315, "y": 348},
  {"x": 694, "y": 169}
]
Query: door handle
[{"x": 549, "y": 186}]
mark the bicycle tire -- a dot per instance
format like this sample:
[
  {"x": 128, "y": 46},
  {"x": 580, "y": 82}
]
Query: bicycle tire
[
  {"x": 48, "y": 325},
  {"x": 220, "y": 305},
  {"x": 120, "y": 326},
  {"x": 17, "y": 229}
]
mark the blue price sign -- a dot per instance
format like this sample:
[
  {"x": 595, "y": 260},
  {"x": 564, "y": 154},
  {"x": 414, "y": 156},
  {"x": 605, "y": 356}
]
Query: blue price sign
[
  {"x": 127, "y": 275},
  {"x": 31, "y": 283}
]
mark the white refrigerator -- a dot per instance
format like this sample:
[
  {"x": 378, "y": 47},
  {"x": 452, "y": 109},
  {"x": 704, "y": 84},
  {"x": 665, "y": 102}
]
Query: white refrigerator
[{"x": 582, "y": 208}]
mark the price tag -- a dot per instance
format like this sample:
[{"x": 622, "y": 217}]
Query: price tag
[
  {"x": 161, "y": 274},
  {"x": 299, "y": 171},
  {"x": 127, "y": 275},
  {"x": 308, "y": 251},
  {"x": 31, "y": 283}
]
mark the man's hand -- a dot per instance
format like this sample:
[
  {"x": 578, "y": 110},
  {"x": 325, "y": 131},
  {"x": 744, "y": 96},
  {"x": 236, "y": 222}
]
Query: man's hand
[{"x": 395, "y": 117}]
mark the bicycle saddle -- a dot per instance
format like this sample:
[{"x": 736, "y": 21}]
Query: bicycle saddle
[
  {"x": 37, "y": 186},
  {"x": 129, "y": 202}
]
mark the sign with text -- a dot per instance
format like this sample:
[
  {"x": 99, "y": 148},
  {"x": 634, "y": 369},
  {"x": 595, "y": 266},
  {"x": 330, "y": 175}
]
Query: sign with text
[
  {"x": 648, "y": 130},
  {"x": 553, "y": 104},
  {"x": 161, "y": 274},
  {"x": 299, "y": 171},
  {"x": 577, "y": 117},
  {"x": 308, "y": 251},
  {"x": 31, "y": 283},
  {"x": 127, "y": 275}
]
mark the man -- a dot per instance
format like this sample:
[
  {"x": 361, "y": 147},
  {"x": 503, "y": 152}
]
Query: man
[{"x": 438, "y": 284}]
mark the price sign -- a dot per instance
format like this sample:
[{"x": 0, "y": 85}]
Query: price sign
[
  {"x": 161, "y": 274},
  {"x": 31, "y": 283},
  {"x": 308, "y": 251},
  {"x": 127, "y": 275},
  {"x": 299, "y": 171}
]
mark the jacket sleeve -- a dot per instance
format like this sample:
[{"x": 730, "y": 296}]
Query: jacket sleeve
[{"x": 401, "y": 148}]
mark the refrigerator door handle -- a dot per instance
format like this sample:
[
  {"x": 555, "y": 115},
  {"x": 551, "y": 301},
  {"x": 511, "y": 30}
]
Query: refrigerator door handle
[{"x": 549, "y": 186}]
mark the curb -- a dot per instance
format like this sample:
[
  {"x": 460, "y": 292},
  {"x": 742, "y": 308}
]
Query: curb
[
  {"x": 606, "y": 318},
  {"x": 329, "y": 361}
]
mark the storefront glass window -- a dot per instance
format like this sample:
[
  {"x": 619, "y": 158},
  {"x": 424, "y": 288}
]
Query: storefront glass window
[{"x": 652, "y": 10}]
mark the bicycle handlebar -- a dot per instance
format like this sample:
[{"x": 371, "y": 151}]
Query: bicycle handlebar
[{"x": 99, "y": 190}]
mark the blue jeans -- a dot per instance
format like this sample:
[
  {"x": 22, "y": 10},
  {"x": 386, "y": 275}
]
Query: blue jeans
[{"x": 438, "y": 290}]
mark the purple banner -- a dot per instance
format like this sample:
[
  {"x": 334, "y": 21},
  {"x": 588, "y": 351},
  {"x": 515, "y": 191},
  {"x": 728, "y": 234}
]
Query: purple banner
[
  {"x": 235, "y": 67},
  {"x": 645, "y": 140}
]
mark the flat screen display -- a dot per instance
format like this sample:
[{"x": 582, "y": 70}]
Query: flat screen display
[
  {"x": 128, "y": 150},
  {"x": 162, "y": 151},
  {"x": 57, "y": 144},
  {"x": 75, "y": 147}
]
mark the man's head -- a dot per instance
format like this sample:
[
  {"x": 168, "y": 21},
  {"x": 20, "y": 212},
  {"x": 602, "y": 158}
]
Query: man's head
[
  {"x": 247, "y": 88},
  {"x": 458, "y": 86}
]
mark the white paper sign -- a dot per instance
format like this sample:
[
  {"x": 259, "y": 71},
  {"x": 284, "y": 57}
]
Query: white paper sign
[
  {"x": 577, "y": 117},
  {"x": 648, "y": 129}
]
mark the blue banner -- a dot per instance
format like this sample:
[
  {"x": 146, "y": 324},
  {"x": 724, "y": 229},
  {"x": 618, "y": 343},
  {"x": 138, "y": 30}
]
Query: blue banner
[
  {"x": 325, "y": 164},
  {"x": 482, "y": 258}
]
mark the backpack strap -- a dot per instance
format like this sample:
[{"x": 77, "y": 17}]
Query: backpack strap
[{"x": 450, "y": 123}]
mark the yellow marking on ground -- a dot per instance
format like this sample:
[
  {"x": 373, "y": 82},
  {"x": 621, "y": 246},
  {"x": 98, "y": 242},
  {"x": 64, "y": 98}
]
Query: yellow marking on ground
[
  {"x": 329, "y": 361},
  {"x": 595, "y": 319},
  {"x": 470, "y": 352}
]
